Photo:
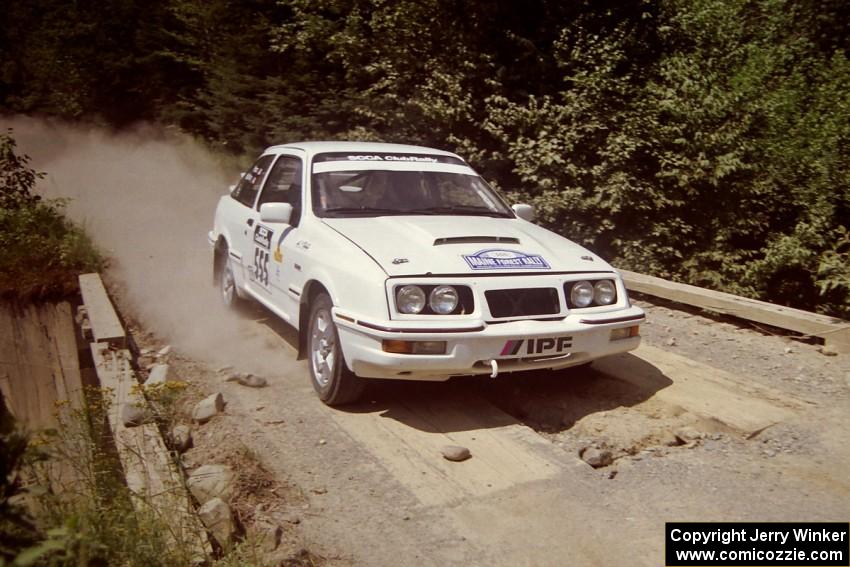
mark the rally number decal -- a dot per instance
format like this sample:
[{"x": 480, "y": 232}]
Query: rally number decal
[
  {"x": 261, "y": 266},
  {"x": 262, "y": 240}
]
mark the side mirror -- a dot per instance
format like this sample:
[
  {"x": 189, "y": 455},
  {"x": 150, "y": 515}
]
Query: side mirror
[
  {"x": 276, "y": 212},
  {"x": 525, "y": 212}
]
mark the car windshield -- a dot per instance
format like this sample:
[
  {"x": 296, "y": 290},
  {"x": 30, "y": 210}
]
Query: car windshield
[{"x": 378, "y": 192}]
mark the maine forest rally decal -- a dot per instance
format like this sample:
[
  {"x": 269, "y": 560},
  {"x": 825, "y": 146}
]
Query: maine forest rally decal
[{"x": 494, "y": 259}]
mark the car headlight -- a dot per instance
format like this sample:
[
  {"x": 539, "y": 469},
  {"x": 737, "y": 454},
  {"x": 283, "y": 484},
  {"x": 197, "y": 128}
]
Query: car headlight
[
  {"x": 582, "y": 294},
  {"x": 410, "y": 299},
  {"x": 604, "y": 292},
  {"x": 443, "y": 299}
]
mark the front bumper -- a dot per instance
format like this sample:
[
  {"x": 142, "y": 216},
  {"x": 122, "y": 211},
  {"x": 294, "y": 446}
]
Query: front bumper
[{"x": 471, "y": 346}]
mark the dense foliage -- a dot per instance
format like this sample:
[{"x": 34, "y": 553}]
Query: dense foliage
[
  {"x": 41, "y": 252},
  {"x": 706, "y": 141}
]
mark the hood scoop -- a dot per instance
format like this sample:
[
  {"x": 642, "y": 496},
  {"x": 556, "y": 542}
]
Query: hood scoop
[{"x": 476, "y": 240}]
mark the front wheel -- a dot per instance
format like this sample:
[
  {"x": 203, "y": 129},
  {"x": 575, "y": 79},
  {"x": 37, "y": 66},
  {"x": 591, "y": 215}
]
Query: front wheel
[
  {"x": 332, "y": 380},
  {"x": 227, "y": 286}
]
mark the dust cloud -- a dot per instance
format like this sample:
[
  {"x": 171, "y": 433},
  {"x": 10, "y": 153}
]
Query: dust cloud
[{"x": 147, "y": 197}]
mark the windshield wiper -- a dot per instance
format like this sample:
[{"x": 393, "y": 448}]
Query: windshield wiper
[{"x": 457, "y": 210}]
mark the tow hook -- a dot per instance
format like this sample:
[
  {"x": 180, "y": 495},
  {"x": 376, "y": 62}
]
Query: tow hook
[{"x": 495, "y": 366}]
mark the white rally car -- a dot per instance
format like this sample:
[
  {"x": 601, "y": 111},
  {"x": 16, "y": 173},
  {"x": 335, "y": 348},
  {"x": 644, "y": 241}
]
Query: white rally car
[{"x": 397, "y": 261}]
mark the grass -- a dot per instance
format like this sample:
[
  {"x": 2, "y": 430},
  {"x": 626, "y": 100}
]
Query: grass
[{"x": 83, "y": 510}]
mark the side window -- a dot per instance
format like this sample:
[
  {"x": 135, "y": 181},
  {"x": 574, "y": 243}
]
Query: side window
[
  {"x": 246, "y": 190},
  {"x": 284, "y": 186}
]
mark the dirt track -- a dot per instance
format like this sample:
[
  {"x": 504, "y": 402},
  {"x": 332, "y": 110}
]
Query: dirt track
[{"x": 368, "y": 486}]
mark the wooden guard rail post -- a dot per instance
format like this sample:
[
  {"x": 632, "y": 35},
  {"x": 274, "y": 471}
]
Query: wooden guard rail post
[
  {"x": 154, "y": 479},
  {"x": 834, "y": 332}
]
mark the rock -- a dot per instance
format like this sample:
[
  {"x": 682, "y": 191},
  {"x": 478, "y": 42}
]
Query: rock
[
  {"x": 223, "y": 369},
  {"x": 133, "y": 415},
  {"x": 164, "y": 351},
  {"x": 211, "y": 481},
  {"x": 788, "y": 350},
  {"x": 671, "y": 341},
  {"x": 208, "y": 408},
  {"x": 687, "y": 434},
  {"x": 252, "y": 381},
  {"x": 248, "y": 380},
  {"x": 158, "y": 375},
  {"x": 826, "y": 350},
  {"x": 596, "y": 457},
  {"x": 668, "y": 439},
  {"x": 322, "y": 442},
  {"x": 216, "y": 516},
  {"x": 455, "y": 453},
  {"x": 181, "y": 437},
  {"x": 82, "y": 314},
  {"x": 268, "y": 536}
]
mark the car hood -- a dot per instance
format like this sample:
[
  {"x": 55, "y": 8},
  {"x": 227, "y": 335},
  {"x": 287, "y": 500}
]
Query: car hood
[{"x": 420, "y": 245}]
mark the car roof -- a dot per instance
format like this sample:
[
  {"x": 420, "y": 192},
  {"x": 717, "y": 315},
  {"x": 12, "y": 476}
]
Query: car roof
[{"x": 313, "y": 148}]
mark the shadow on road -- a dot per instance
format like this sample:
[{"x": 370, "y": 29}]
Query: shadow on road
[{"x": 545, "y": 400}]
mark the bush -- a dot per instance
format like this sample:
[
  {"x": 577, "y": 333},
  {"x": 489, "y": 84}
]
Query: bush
[
  {"x": 41, "y": 252},
  {"x": 17, "y": 530}
]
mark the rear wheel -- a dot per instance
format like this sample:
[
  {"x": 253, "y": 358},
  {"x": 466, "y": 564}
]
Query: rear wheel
[{"x": 332, "y": 380}]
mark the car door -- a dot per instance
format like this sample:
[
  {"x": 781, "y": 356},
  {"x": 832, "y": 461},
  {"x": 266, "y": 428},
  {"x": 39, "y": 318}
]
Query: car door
[
  {"x": 241, "y": 216},
  {"x": 274, "y": 251}
]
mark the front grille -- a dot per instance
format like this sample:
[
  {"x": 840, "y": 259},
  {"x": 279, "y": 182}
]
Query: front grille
[{"x": 523, "y": 302}]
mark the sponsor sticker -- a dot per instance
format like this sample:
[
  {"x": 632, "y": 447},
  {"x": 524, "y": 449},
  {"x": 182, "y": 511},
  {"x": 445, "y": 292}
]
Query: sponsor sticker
[
  {"x": 390, "y": 157},
  {"x": 534, "y": 347},
  {"x": 278, "y": 253},
  {"x": 263, "y": 236},
  {"x": 495, "y": 259}
]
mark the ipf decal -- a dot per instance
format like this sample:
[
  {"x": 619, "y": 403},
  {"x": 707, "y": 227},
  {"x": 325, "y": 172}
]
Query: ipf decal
[{"x": 544, "y": 345}]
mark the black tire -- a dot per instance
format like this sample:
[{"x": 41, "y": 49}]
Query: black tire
[
  {"x": 333, "y": 381},
  {"x": 227, "y": 285}
]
